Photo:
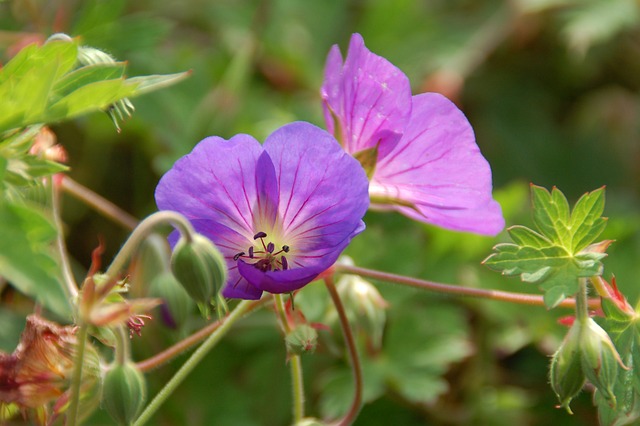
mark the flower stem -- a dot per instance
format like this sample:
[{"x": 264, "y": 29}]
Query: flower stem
[
  {"x": 582, "y": 308},
  {"x": 143, "y": 230},
  {"x": 70, "y": 286},
  {"x": 240, "y": 310},
  {"x": 295, "y": 364},
  {"x": 356, "y": 403},
  {"x": 504, "y": 296},
  {"x": 122, "y": 345},
  {"x": 165, "y": 356},
  {"x": 76, "y": 379},
  {"x": 100, "y": 204}
]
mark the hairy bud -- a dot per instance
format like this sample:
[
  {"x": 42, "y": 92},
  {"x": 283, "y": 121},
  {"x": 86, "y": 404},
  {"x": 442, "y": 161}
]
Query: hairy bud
[
  {"x": 200, "y": 268},
  {"x": 124, "y": 392},
  {"x": 565, "y": 374},
  {"x": 176, "y": 302},
  {"x": 302, "y": 339}
]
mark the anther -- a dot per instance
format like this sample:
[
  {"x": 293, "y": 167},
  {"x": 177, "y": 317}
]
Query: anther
[
  {"x": 260, "y": 235},
  {"x": 251, "y": 252},
  {"x": 285, "y": 264},
  {"x": 238, "y": 255},
  {"x": 285, "y": 249},
  {"x": 271, "y": 247}
]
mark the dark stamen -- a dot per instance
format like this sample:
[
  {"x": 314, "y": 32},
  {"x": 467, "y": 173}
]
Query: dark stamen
[
  {"x": 285, "y": 264},
  {"x": 251, "y": 252},
  {"x": 238, "y": 255},
  {"x": 260, "y": 235},
  {"x": 285, "y": 249},
  {"x": 271, "y": 247}
]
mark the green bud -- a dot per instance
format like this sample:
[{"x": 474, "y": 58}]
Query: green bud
[
  {"x": 302, "y": 339},
  {"x": 151, "y": 260},
  {"x": 200, "y": 268},
  {"x": 365, "y": 306},
  {"x": 565, "y": 374},
  {"x": 600, "y": 359},
  {"x": 124, "y": 392},
  {"x": 177, "y": 303}
]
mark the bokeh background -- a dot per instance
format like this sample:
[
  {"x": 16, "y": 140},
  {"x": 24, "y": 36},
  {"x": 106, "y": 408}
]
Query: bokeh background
[{"x": 551, "y": 88}]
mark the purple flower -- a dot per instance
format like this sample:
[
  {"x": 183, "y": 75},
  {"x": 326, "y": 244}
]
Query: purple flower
[
  {"x": 281, "y": 213},
  {"x": 419, "y": 151}
]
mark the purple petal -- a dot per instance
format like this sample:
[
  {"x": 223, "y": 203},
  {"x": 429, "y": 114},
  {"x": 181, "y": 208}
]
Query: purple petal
[
  {"x": 438, "y": 167},
  {"x": 218, "y": 181},
  {"x": 369, "y": 97},
  {"x": 278, "y": 281},
  {"x": 323, "y": 193}
]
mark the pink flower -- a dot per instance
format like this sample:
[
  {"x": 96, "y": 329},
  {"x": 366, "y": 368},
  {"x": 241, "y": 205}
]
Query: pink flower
[{"x": 419, "y": 151}]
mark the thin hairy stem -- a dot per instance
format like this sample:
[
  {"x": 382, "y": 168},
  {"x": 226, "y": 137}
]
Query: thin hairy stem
[
  {"x": 76, "y": 380},
  {"x": 99, "y": 203},
  {"x": 187, "y": 343},
  {"x": 240, "y": 310},
  {"x": 352, "y": 349},
  {"x": 503, "y": 296},
  {"x": 295, "y": 364},
  {"x": 70, "y": 286}
]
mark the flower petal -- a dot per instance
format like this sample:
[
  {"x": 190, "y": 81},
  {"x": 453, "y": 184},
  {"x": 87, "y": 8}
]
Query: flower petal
[
  {"x": 278, "y": 281},
  {"x": 218, "y": 181},
  {"x": 369, "y": 97},
  {"x": 438, "y": 167},
  {"x": 323, "y": 193}
]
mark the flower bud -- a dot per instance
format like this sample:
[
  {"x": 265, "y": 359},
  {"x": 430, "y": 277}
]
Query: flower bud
[
  {"x": 177, "y": 304},
  {"x": 366, "y": 307},
  {"x": 600, "y": 359},
  {"x": 565, "y": 374},
  {"x": 200, "y": 268},
  {"x": 152, "y": 259},
  {"x": 124, "y": 392},
  {"x": 302, "y": 339}
]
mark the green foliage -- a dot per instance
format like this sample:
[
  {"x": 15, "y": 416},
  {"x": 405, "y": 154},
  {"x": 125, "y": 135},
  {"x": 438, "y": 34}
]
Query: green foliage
[
  {"x": 625, "y": 331},
  {"x": 558, "y": 254},
  {"x": 26, "y": 259}
]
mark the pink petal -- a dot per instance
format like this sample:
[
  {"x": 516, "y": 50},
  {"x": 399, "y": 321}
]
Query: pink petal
[
  {"x": 438, "y": 167},
  {"x": 369, "y": 97}
]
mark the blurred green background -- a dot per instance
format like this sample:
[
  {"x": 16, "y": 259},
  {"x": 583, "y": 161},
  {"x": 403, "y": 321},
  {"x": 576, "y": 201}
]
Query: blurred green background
[{"x": 551, "y": 88}]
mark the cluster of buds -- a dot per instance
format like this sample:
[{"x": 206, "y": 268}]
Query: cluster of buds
[
  {"x": 40, "y": 370},
  {"x": 587, "y": 353}
]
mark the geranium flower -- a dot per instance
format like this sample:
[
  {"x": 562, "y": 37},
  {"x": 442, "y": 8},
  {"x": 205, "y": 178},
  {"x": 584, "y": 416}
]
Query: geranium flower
[
  {"x": 281, "y": 213},
  {"x": 419, "y": 151}
]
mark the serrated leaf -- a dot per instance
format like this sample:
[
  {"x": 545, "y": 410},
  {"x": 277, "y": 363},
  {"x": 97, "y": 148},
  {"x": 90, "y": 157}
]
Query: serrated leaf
[
  {"x": 559, "y": 254},
  {"x": 25, "y": 260}
]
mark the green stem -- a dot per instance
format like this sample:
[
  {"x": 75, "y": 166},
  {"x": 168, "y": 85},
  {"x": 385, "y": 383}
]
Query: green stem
[
  {"x": 352, "y": 349},
  {"x": 99, "y": 203},
  {"x": 190, "y": 341},
  {"x": 76, "y": 379},
  {"x": 582, "y": 307},
  {"x": 504, "y": 296},
  {"x": 122, "y": 345},
  {"x": 70, "y": 286},
  {"x": 192, "y": 362},
  {"x": 295, "y": 364},
  {"x": 145, "y": 228}
]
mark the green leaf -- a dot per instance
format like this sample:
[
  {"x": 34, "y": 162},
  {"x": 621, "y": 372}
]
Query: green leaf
[
  {"x": 555, "y": 256},
  {"x": 87, "y": 75},
  {"x": 626, "y": 336},
  {"x": 25, "y": 258},
  {"x": 149, "y": 83},
  {"x": 92, "y": 97}
]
